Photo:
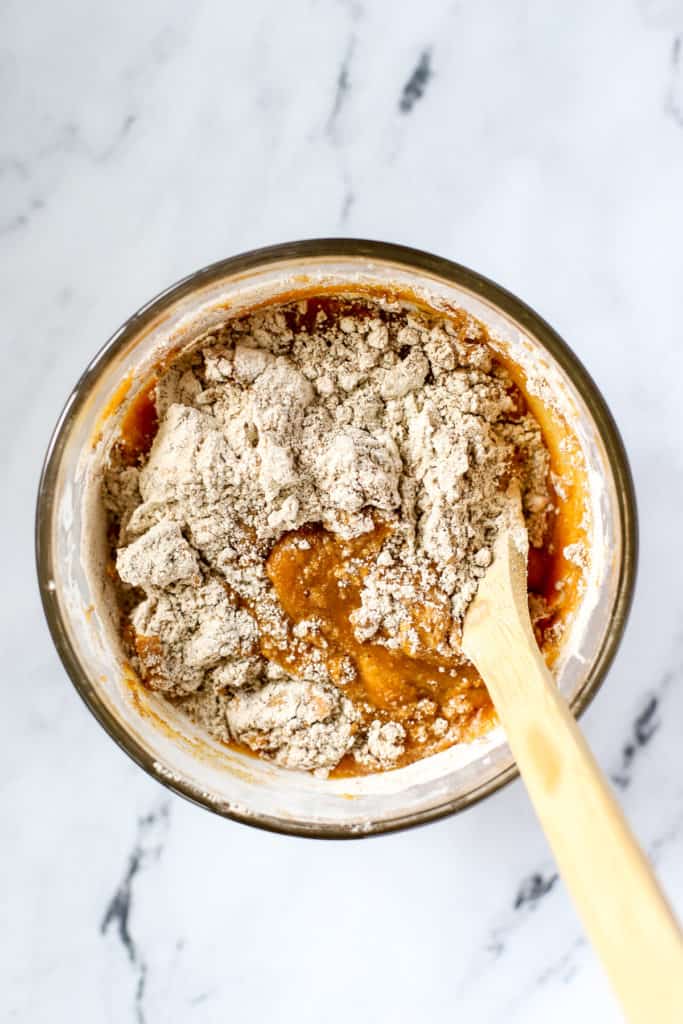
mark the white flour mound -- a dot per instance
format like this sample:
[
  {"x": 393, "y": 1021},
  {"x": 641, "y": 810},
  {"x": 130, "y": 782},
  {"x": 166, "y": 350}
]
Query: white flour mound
[{"x": 274, "y": 422}]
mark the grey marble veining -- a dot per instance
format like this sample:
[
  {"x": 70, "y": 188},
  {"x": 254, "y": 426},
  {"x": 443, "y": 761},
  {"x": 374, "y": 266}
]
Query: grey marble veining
[{"x": 540, "y": 144}]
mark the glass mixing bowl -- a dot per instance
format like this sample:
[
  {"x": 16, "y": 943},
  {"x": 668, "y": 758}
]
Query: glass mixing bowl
[{"x": 70, "y": 546}]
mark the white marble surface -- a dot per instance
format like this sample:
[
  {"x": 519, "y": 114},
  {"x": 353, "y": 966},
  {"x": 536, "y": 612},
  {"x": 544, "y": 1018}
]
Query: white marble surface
[{"x": 139, "y": 141}]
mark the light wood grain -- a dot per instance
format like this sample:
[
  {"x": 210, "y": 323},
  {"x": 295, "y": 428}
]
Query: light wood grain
[{"x": 623, "y": 909}]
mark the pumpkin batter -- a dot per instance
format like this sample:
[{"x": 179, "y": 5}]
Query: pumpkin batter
[{"x": 339, "y": 553}]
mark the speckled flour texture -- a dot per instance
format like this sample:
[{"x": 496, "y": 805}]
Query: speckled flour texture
[{"x": 349, "y": 416}]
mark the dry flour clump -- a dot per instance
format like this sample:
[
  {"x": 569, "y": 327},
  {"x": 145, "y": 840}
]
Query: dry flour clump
[
  {"x": 342, "y": 412},
  {"x": 299, "y": 724}
]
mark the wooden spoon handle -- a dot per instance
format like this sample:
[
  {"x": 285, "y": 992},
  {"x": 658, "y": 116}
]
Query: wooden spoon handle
[{"x": 623, "y": 909}]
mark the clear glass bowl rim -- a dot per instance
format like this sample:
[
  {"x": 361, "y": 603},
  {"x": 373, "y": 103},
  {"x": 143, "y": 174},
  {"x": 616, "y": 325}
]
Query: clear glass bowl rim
[{"x": 406, "y": 259}]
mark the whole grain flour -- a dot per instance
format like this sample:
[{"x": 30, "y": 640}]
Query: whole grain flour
[{"x": 340, "y": 411}]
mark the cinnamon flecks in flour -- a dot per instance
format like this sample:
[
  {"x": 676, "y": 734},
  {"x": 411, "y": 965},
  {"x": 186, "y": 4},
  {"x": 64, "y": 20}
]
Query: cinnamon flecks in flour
[{"x": 296, "y": 550}]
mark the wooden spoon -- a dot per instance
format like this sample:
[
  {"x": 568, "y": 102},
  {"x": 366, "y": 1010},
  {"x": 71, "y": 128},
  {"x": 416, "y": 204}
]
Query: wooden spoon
[{"x": 623, "y": 909}]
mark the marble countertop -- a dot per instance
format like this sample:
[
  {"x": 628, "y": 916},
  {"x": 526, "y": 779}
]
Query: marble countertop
[{"x": 539, "y": 144}]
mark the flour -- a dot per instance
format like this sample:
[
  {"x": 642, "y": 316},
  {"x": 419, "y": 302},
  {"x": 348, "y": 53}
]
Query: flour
[
  {"x": 161, "y": 556},
  {"x": 297, "y": 415},
  {"x": 186, "y": 630},
  {"x": 383, "y": 745},
  {"x": 298, "y": 723}
]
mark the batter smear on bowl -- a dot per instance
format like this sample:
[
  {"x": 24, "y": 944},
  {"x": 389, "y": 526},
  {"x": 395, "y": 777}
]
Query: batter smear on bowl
[{"x": 300, "y": 509}]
